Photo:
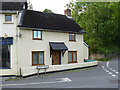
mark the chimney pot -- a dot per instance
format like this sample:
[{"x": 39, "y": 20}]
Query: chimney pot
[{"x": 67, "y": 12}]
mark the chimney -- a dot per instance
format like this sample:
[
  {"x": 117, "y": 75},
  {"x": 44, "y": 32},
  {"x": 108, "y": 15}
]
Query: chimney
[{"x": 67, "y": 11}]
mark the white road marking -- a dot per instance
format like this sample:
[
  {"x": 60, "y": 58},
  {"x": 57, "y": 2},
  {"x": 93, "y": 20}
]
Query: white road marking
[
  {"x": 105, "y": 69},
  {"x": 117, "y": 72},
  {"x": 66, "y": 79},
  {"x": 61, "y": 80},
  {"x": 113, "y": 75},
  {"x": 111, "y": 68},
  {"x": 108, "y": 71}
]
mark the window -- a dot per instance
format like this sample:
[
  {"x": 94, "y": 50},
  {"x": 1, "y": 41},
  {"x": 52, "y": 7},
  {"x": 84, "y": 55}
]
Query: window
[
  {"x": 8, "y": 18},
  {"x": 37, "y": 35},
  {"x": 72, "y": 37},
  {"x": 4, "y": 56},
  {"x": 38, "y": 58},
  {"x": 72, "y": 57}
]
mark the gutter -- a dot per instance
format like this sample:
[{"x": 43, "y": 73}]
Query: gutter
[
  {"x": 86, "y": 44},
  {"x": 46, "y": 29},
  {"x": 9, "y": 11}
]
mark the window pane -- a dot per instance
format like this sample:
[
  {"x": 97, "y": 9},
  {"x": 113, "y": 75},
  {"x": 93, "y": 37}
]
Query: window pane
[
  {"x": 35, "y": 34},
  {"x": 39, "y": 34},
  {"x": 40, "y": 57},
  {"x": 0, "y": 55},
  {"x": 8, "y": 18},
  {"x": 34, "y": 57},
  {"x": 69, "y": 56},
  {"x": 74, "y": 56},
  {"x": 73, "y": 35},
  {"x": 5, "y": 56}
]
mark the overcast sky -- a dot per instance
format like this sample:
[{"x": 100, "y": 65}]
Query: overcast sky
[{"x": 57, "y": 6}]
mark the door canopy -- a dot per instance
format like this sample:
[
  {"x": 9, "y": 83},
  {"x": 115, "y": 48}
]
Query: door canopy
[{"x": 57, "y": 46}]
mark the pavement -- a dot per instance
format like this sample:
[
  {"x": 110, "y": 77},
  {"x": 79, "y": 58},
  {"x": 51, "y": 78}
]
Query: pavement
[{"x": 105, "y": 75}]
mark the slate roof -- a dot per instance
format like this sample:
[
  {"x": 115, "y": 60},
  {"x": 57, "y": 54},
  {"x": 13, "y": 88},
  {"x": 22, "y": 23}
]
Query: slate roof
[
  {"x": 48, "y": 21},
  {"x": 13, "y": 5}
]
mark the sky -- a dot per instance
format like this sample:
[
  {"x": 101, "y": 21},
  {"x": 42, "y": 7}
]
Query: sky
[{"x": 57, "y": 6}]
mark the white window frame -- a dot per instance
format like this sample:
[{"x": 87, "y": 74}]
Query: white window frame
[{"x": 8, "y": 22}]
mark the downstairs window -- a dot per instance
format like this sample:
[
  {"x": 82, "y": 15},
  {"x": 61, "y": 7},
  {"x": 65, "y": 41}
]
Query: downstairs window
[
  {"x": 37, "y": 57},
  {"x": 5, "y": 56},
  {"x": 72, "y": 57}
]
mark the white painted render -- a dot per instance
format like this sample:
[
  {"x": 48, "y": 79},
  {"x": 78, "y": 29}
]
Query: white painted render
[
  {"x": 26, "y": 45},
  {"x": 21, "y": 50},
  {"x": 10, "y": 29}
]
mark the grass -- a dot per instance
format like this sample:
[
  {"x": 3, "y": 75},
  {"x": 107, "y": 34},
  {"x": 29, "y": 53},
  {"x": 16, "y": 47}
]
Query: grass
[
  {"x": 105, "y": 59},
  {"x": 69, "y": 71},
  {"x": 12, "y": 79}
]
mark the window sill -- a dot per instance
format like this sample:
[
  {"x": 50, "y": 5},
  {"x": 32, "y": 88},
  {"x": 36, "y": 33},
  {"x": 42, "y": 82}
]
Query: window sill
[
  {"x": 72, "y": 62},
  {"x": 72, "y": 40},
  {"x": 36, "y": 39},
  {"x": 38, "y": 65},
  {"x": 7, "y": 22}
]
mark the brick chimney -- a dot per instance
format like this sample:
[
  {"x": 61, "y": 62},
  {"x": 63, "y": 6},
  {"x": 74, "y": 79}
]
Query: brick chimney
[{"x": 67, "y": 11}]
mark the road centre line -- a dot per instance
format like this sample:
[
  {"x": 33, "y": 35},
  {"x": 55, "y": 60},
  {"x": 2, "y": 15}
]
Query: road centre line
[
  {"x": 111, "y": 68},
  {"x": 108, "y": 71},
  {"x": 107, "y": 64}
]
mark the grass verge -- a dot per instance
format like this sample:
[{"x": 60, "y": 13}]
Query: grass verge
[
  {"x": 104, "y": 60},
  {"x": 69, "y": 71},
  {"x": 12, "y": 79}
]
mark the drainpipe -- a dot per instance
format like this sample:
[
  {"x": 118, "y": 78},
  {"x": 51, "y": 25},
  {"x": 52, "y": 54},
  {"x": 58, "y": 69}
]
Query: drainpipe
[
  {"x": 20, "y": 73},
  {"x": 17, "y": 49},
  {"x": 17, "y": 42}
]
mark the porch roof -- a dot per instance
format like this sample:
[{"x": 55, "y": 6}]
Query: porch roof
[{"x": 58, "y": 46}]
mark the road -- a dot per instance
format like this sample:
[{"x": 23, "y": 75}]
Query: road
[{"x": 105, "y": 75}]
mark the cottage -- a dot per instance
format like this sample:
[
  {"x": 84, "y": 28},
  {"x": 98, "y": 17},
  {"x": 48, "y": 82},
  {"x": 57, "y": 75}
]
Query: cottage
[{"x": 31, "y": 38}]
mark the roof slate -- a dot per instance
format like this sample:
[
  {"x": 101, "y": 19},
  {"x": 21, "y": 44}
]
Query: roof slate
[
  {"x": 13, "y": 5},
  {"x": 48, "y": 21}
]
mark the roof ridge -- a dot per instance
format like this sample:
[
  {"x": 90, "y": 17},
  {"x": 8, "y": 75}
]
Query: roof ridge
[{"x": 45, "y": 12}]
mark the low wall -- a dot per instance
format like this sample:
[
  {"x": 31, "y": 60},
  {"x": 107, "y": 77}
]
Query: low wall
[
  {"x": 32, "y": 70},
  {"x": 97, "y": 56}
]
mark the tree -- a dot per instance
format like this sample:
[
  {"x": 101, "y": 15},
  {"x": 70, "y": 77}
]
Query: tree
[
  {"x": 100, "y": 21},
  {"x": 48, "y": 11}
]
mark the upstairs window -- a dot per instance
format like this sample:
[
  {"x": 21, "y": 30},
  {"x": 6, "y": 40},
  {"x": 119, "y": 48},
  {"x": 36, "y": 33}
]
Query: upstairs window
[
  {"x": 37, "y": 35},
  {"x": 8, "y": 18},
  {"x": 72, "y": 37}
]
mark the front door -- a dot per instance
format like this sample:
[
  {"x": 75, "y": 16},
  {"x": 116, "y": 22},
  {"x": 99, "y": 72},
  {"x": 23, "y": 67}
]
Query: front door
[{"x": 55, "y": 58}]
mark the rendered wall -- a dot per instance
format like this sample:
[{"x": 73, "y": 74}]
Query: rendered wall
[
  {"x": 10, "y": 29},
  {"x": 26, "y": 45},
  {"x": 21, "y": 50}
]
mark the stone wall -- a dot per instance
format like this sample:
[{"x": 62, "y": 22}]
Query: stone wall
[
  {"x": 97, "y": 56},
  {"x": 101, "y": 56}
]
